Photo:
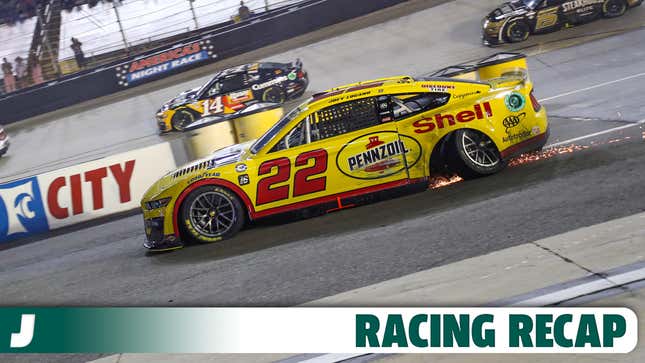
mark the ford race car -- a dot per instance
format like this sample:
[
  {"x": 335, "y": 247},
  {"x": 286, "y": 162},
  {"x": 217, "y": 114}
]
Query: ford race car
[
  {"x": 514, "y": 21},
  {"x": 350, "y": 142},
  {"x": 234, "y": 92}
]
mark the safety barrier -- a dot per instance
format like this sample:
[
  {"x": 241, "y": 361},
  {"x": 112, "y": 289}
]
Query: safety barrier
[{"x": 80, "y": 193}]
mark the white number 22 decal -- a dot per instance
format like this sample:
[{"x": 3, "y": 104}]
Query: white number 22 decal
[{"x": 213, "y": 106}]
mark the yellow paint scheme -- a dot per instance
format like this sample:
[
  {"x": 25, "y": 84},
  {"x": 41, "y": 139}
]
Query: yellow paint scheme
[{"x": 468, "y": 101}]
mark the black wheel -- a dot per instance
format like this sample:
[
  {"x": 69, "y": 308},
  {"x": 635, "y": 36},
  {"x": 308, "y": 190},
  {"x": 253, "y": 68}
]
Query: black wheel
[
  {"x": 274, "y": 94},
  {"x": 182, "y": 118},
  {"x": 613, "y": 8},
  {"x": 475, "y": 154},
  {"x": 211, "y": 214},
  {"x": 517, "y": 31}
]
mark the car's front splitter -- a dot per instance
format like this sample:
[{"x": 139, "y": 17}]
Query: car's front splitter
[{"x": 168, "y": 243}]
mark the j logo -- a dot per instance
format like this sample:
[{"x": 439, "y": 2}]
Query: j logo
[
  {"x": 21, "y": 209},
  {"x": 26, "y": 334}
]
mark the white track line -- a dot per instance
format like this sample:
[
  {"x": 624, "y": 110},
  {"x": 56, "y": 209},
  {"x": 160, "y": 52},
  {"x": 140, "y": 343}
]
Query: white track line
[
  {"x": 332, "y": 358},
  {"x": 639, "y": 123},
  {"x": 584, "y": 289},
  {"x": 593, "y": 87}
]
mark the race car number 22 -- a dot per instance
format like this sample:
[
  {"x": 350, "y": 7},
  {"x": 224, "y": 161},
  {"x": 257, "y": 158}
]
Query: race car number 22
[{"x": 307, "y": 179}]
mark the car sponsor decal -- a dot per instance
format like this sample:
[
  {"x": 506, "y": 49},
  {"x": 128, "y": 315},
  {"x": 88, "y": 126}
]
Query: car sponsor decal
[
  {"x": 512, "y": 121},
  {"x": 243, "y": 179},
  {"x": 442, "y": 88},
  {"x": 515, "y": 102},
  {"x": 378, "y": 155},
  {"x": 441, "y": 121},
  {"x": 240, "y": 96},
  {"x": 577, "y": 4},
  {"x": 270, "y": 83}
]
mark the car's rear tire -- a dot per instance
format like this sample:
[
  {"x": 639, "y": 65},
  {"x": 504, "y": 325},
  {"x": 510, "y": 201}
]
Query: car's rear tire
[
  {"x": 274, "y": 94},
  {"x": 182, "y": 118},
  {"x": 210, "y": 214},
  {"x": 516, "y": 31},
  {"x": 475, "y": 154},
  {"x": 614, "y": 8}
]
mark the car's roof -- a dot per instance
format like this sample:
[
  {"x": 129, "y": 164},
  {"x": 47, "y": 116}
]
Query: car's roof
[
  {"x": 249, "y": 67},
  {"x": 388, "y": 86}
]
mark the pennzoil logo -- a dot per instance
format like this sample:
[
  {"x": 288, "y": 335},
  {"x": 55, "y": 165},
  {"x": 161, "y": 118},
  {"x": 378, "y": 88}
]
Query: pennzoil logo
[{"x": 378, "y": 155}]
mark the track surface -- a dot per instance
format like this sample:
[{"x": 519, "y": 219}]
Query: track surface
[{"x": 286, "y": 264}]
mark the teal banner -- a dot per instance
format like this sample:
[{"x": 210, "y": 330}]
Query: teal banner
[{"x": 112, "y": 330}]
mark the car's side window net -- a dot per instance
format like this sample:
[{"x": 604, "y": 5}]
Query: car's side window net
[
  {"x": 343, "y": 118},
  {"x": 410, "y": 104}
]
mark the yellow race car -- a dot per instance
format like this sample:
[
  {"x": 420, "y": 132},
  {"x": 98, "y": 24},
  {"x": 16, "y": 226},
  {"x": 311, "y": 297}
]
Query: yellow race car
[{"x": 353, "y": 141}]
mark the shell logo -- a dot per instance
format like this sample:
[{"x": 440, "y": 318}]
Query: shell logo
[{"x": 378, "y": 155}]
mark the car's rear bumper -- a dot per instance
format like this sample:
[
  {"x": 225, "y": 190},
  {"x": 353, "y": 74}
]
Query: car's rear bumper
[{"x": 534, "y": 143}]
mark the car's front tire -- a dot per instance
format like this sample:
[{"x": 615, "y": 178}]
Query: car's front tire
[
  {"x": 516, "y": 31},
  {"x": 475, "y": 154},
  {"x": 210, "y": 214},
  {"x": 614, "y": 8},
  {"x": 181, "y": 118}
]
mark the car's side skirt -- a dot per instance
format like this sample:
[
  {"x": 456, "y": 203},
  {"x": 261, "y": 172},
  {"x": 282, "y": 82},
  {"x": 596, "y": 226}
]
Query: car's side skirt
[{"x": 253, "y": 214}]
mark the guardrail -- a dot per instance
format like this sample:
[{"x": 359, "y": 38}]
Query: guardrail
[{"x": 220, "y": 43}]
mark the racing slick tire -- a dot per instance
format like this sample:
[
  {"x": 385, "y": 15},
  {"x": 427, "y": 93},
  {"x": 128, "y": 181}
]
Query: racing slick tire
[
  {"x": 210, "y": 214},
  {"x": 274, "y": 95},
  {"x": 475, "y": 155},
  {"x": 516, "y": 31},
  {"x": 614, "y": 8},
  {"x": 182, "y": 118}
]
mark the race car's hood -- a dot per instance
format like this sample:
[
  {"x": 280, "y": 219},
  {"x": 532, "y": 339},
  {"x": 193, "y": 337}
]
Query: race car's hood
[
  {"x": 218, "y": 158},
  {"x": 228, "y": 155},
  {"x": 507, "y": 10}
]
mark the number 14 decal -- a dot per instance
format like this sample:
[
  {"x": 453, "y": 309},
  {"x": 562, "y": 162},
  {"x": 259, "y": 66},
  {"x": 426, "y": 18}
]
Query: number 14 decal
[
  {"x": 306, "y": 180},
  {"x": 213, "y": 106}
]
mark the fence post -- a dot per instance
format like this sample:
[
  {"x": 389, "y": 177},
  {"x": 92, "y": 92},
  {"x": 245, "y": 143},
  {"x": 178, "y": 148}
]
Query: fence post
[
  {"x": 118, "y": 20},
  {"x": 192, "y": 9}
]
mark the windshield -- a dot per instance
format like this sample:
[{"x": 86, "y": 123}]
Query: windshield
[
  {"x": 275, "y": 129},
  {"x": 531, "y": 4},
  {"x": 206, "y": 85}
]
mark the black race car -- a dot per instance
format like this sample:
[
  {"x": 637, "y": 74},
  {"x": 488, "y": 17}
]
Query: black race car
[
  {"x": 514, "y": 21},
  {"x": 234, "y": 92}
]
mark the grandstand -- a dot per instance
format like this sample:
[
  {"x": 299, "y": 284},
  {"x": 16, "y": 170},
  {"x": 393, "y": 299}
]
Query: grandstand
[{"x": 41, "y": 31}]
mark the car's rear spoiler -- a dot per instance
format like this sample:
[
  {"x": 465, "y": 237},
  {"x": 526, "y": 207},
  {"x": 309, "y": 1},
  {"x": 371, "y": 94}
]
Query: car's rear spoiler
[{"x": 499, "y": 68}]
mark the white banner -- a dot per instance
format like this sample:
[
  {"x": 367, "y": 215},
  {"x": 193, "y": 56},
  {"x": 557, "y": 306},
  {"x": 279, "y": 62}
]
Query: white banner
[
  {"x": 432, "y": 330},
  {"x": 82, "y": 192}
]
